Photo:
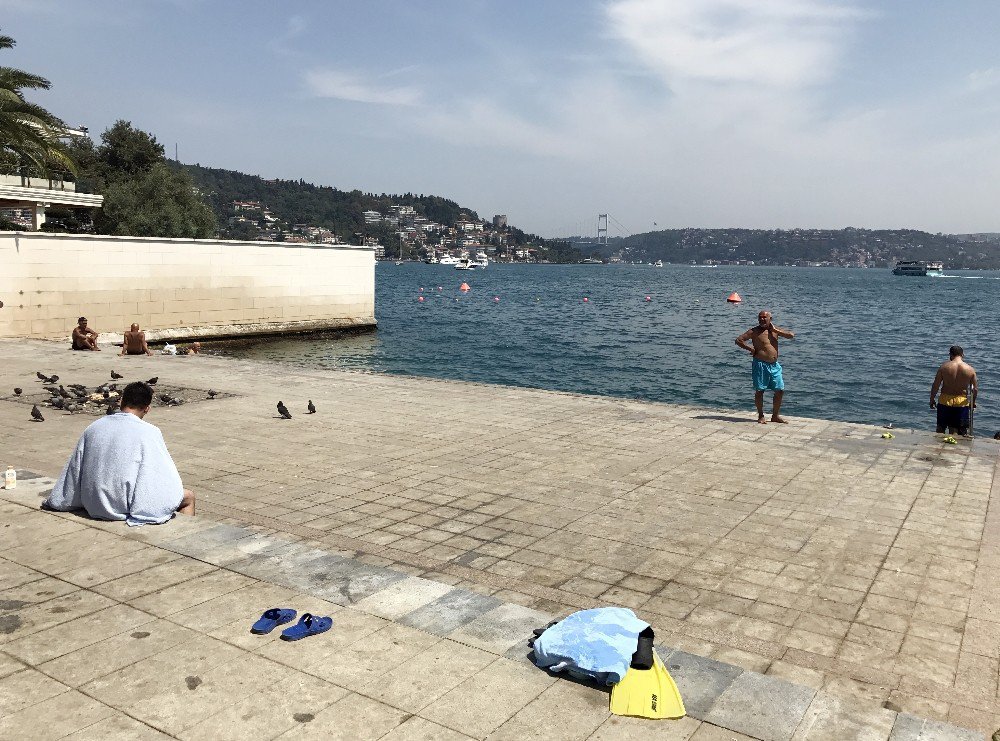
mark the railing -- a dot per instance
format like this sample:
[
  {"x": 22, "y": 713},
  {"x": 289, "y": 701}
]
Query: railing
[{"x": 37, "y": 182}]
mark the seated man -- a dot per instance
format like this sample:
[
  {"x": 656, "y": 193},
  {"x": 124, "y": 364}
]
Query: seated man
[
  {"x": 121, "y": 469},
  {"x": 135, "y": 342},
  {"x": 195, "y": 349},
  {"x": 84, "y": 338}
]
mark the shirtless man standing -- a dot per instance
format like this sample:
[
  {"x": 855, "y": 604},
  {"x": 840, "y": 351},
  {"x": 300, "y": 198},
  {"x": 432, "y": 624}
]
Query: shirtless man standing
[
  {"x": 84, "y": 338},
  {"x": 135, "y": 342},
  {"x": 954, "y": 379},
  {"x": 766, "y": 370}
]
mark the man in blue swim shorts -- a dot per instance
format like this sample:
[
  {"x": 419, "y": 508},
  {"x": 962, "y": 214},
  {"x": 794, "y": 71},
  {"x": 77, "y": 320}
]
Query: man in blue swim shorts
[{"x": 765, "y": 370}]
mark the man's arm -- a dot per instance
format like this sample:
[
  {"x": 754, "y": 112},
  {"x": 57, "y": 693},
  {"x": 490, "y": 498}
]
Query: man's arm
[
  {"x": 145, "y": 347},
  {"x": 935, "y": 387},
  {"x": 784, "y": 333},
  {"x": 741, "y": 341},
  {"x": 975, "y": 388}
]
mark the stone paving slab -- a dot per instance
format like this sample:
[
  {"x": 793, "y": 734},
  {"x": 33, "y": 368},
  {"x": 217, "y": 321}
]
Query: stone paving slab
[
  {"x": 864, "y": 569},
  {"x": 454, "y": 674}
]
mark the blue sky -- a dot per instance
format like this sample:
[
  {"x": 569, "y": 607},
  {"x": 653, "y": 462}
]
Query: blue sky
[{"x": 714, "y": 113}]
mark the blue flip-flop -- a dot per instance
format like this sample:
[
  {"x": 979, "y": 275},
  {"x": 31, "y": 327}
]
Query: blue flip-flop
[
  {"x": 271, "y": 619},
  {"x": 308, "y": 625}
]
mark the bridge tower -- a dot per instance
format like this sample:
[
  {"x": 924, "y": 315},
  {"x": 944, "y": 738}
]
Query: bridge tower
[{"x": 602, "y": 229}]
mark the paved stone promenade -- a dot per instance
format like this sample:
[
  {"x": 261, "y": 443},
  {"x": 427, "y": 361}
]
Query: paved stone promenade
[{"x": 803, "y": 580}]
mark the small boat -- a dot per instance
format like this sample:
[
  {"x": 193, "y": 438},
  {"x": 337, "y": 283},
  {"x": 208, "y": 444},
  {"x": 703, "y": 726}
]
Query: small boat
[
  {"x": 399, "y": 262},
  {"x": 919, "y": 268},
  {"x": 592, "y": 261},
  {"x": 465, "y": 264},
  {"x": 448, "y": 260},
  {"x": 481, "y": 260},
  {"x": 658, "y": 264},
  {"x": 432, "y": 259}
]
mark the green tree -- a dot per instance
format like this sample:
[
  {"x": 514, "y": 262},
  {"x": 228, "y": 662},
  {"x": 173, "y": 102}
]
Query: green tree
[
  {"x": 29, "y": 132},
  {"x": 156, "y": 203},
  {"x": 143, "y": 196}
]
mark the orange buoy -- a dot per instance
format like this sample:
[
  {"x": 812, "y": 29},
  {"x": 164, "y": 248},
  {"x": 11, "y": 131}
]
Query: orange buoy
[
  {"x": 585, "y": 299},
  {"x": 496, "y": 299},
  {"x": 421, "y": 299},
  {"x": 734, "y": 298},
  {"x": 464, "y": 287},
  {"x": 649, "y": 298}
]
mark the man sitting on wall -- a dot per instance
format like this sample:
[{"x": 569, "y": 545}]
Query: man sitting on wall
[
  {"x": 135, "y": 342},
  {"x": 121, "y": 470},
  {"x": 83, "y": 337}
]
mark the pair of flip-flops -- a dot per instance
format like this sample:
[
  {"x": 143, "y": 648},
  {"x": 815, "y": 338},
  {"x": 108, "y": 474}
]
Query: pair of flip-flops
[{"x": 308, "y": 625}]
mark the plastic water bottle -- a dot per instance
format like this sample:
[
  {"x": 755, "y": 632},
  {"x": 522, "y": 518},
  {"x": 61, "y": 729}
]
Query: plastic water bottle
[{"x": 10, "y": 478}]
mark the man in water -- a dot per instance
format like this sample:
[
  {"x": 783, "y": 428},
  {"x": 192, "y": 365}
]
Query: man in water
[
  {"x": 83, "y": 337},
  {"x": 135, "y": 342},
  {"x": 195, "y": 349},
  {"x": 121, "y": 470},
  {"x": 765, "y": 370},
  {"x": 957, "y": 382}
]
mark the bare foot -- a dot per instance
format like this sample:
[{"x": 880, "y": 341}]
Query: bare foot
[
  {"x": 761, "y": 420},
  {"x": 779, "y": 420}
]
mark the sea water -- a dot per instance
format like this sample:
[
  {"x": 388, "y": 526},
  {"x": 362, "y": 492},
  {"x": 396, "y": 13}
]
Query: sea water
[{"x": 866, "y": 347}]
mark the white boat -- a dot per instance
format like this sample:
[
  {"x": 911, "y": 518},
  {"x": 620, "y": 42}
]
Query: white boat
[
  {"x": 658, "y": 264},
  {"x": 448, "y": 260},
  {"x": 465, "y": 264},
  {"x": 919, "y": 268},
  {"x": 432, "y": 259},
  {"x": 481, "y": 260}
]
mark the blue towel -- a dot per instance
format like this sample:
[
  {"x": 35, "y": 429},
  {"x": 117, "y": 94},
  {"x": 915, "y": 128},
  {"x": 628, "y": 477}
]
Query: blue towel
[
  {"x": 120, "y": 470},
  {"x": 591, "y": 644}
]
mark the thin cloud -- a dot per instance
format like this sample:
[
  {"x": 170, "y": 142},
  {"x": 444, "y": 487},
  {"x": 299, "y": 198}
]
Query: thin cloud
[
  {"x": 771, "y": 43},
  {"x": 340, "y": 85}
]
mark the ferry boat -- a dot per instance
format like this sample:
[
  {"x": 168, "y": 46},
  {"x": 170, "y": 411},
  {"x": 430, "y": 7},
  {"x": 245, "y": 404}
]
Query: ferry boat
[
  {"x": 919, "y": 268},
  {"x": 592, "y": 261},
  {"x": 448, "y": 260}
]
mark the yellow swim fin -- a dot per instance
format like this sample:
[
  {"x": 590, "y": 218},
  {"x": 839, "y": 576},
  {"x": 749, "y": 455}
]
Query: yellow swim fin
[{"x": 647, "y": 693}]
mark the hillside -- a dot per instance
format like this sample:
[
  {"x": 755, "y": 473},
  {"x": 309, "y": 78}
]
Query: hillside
[
  {"x": 251, "y": 207},
  {"x": 845, "y": 247}
]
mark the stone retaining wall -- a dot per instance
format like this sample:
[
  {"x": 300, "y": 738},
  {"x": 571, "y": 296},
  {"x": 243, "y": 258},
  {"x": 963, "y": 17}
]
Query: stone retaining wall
[{"x": 180, "y": 289}]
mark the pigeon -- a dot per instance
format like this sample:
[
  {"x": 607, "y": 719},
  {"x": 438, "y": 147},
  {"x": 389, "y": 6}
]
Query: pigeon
[
  {"x": 54, "y": 390},
  {"x": 57, "y": 402},
  {"x": 212, "y": 393},
  {"x": 76, "y": 385},
  {"x": 51, "y": 379},
  {"x": 311, "y": 407},
  {"x": 112, "y": 408},
  {"x": 116, "y": 376},
  {"x": 36, "y": 413},
  {"x": 17, "y": 391},
  {"x": 283, "y": 411},
  {"x": 152, "y": 381},
  {"x": 71, "y": 407},
  {"x": 63, "y": 393},
  {"x": 165, "y": 398},
  {"x": 41, "y": 376},
  {"x": 107, "y": 394}
]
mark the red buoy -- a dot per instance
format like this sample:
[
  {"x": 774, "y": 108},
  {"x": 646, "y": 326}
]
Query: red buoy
[
  {"x": 734, "y": 298},
  {"x": 464, "y": 287},
  {"x": 585, "y": 299}
]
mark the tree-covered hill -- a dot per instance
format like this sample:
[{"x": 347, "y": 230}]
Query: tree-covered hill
[
  {"x": 850, "y": 246},
  {"x": 299, "y": 202}
]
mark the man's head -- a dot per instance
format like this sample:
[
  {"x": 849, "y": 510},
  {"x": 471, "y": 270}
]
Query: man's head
[
  {"x": 764, "y": 318},
  {"x": 956, "y": 351},
  {"x": 136, "y": 398},
  {"x": 135, "y": 327},
  {"x": 82, "y": 321},
  {"x": 196, "y": 346}
]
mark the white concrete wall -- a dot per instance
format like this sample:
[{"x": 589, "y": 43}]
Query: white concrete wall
[{"x": 177, "y": 289}]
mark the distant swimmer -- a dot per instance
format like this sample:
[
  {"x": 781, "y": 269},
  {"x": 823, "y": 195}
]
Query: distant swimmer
[
  {"x": 958, "y": 386},
  {"x": 765, "y": 370}
]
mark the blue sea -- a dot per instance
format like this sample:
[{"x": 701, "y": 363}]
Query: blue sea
[{"x": 866, "y": 345}]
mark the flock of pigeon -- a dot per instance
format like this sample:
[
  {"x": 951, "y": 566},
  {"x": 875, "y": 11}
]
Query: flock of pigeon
[{"x": 74, "y": 397}]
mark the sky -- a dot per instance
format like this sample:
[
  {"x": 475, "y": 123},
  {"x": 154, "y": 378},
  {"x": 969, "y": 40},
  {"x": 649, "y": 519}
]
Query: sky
[{"x": 673, "y": 113}]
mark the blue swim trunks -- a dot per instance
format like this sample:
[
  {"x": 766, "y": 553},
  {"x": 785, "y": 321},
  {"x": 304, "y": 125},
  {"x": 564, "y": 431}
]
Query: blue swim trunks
[{"x": 767, "y": 376}]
